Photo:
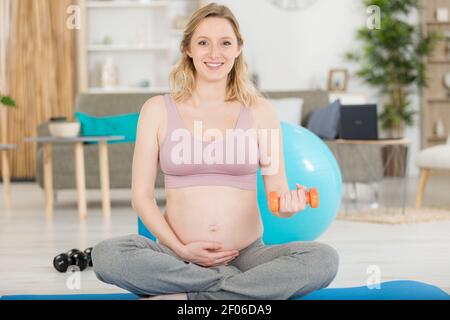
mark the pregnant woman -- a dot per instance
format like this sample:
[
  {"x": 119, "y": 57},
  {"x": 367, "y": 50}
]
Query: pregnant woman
[{"x": 209, "y": 136}]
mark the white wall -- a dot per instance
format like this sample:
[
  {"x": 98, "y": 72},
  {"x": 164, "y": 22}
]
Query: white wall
[
  {"x": 292, "y": 50},
  {"x": 295, "y": 50}
]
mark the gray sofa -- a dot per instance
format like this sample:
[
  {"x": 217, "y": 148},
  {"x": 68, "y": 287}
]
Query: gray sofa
[
  {"x": 352, "y": 159},
  {"x": 352, "y": 166},
  {"x": 120, "y": 155}
]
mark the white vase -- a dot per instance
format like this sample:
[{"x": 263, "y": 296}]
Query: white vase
[
  {"x": 439, "y": 129},
  {"x": 109, "y": 74}
]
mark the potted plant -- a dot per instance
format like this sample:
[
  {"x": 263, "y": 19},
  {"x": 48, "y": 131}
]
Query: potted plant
[
  {"x": 392, "y": 60},
  {"x": 7, "y": 101}
]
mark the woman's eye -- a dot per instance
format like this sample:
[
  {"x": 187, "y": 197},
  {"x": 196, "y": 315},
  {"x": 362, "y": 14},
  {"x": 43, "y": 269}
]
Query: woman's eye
[{"x": 228, "y": 43}]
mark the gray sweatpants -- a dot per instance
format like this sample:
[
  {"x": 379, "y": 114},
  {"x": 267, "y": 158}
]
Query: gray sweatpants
[{"x": 267, "y": 272}]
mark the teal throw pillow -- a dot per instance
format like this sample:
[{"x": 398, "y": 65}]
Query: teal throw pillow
[{"x": 117, "y": 125}]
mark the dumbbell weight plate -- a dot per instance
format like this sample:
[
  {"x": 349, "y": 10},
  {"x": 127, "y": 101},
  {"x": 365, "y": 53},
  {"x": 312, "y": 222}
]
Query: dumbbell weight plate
[
  {"x": 88, "y": 253},
  {"x": 80, "y": 259},
  {"x": 61, "y": 262},
  {"x": 71, "y": 253}
]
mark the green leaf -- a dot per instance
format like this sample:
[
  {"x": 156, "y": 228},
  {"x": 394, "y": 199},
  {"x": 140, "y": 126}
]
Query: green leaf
[
  {"x": 7, "y": 101},
  {"x": 391, "y": 59}
]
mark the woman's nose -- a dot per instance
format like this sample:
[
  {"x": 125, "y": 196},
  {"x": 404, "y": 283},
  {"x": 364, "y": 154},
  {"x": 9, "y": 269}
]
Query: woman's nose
[{"x": 215, "y": 51}]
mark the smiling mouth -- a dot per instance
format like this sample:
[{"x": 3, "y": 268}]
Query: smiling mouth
[{"x": 214, "y": 66}]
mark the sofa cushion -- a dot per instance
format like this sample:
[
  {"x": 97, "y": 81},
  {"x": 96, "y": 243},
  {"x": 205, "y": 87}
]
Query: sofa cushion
[
  {"x": 289, "y": 109},
  {"x": 324, "y": 122},
  {"x": 120, "y": 124}
]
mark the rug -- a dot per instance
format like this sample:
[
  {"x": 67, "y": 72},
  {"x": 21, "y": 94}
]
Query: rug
[{"x": 395, "y": 215}]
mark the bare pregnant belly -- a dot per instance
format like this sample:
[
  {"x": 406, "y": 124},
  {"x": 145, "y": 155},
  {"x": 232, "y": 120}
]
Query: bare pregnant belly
[{"x": 214, "y": 213}]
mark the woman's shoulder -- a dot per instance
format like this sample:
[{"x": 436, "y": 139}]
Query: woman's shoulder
[
  {"x": 154, "y": 103},
  {"x": 154, "y": 107},
  {"x": 260, "y": 103},
  {"x": 263, "y": 111}
]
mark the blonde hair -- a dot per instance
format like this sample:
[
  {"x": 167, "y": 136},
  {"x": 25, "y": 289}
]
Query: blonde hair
[{"x": 182, "y": 77}]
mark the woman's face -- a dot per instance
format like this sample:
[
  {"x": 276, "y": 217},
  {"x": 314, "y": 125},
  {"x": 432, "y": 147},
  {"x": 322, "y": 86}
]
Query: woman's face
[{"x": 214, "y": 48}]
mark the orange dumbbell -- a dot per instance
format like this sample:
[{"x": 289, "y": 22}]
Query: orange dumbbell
[{"x": 312, "y": 198}]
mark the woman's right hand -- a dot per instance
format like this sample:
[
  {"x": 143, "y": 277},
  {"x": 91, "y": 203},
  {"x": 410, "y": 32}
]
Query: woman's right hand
[{"x": 207, "y": 254}]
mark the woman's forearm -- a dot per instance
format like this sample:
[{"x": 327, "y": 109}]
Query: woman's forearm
[{"x": 153, "y": 219}]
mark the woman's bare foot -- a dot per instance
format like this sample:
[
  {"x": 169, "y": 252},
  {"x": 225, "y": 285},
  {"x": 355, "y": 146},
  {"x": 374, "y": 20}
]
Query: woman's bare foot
[{"x": 173, "y": 296}]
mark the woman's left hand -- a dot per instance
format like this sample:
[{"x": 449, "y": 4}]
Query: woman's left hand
[{"x": 293, "y": 201}]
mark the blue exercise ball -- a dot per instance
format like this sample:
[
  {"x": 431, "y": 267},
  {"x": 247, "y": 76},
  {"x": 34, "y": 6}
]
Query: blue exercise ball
[{"x": 309, "y": 162}]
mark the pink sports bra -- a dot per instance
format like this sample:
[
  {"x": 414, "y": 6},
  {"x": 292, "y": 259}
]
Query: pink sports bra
[{"x": 229, "y": 161}]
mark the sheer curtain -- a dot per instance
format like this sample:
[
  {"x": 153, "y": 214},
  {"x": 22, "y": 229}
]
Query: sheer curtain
[
  {"x": 4, "y": 39},
  {"x": 41, "y": 75}
]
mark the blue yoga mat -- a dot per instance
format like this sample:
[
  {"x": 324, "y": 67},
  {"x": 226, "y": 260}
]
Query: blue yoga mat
[{"x": 391, "y": 290}]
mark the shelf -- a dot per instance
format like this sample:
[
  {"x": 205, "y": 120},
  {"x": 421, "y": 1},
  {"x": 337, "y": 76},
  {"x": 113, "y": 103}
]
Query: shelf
[
  {"x": 102, "y": 47},
  {"x": 437, "y": 23},
  {"x": 439, "y": 99},
  {"x": 436, "y": 139},
  {"x": 128, "y": 90},
  {"x": 127, "y": 4},
  {"x": 445, "y": 61},
  {"x": 436, "y": 97},
  {"x": 127, "y": 49}
]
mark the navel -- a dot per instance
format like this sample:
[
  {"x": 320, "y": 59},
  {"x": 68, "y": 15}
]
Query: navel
[{"x": 213, "y": 227}]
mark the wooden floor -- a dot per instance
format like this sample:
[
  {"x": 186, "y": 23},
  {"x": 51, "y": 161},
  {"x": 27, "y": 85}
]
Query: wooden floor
[{"x": 28, "y": 242}]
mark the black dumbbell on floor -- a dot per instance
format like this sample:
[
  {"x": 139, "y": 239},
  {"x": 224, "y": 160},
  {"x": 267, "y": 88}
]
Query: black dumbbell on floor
[
  {"x": 73, "y": 257},
  {"x": 87, "y": 252}
]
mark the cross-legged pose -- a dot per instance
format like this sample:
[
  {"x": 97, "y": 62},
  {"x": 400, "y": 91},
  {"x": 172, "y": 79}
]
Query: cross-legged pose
[{"x": 209, "y": 135}]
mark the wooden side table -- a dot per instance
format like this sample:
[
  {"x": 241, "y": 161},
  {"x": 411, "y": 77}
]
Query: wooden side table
[
  {"x": 79, "y": 170},
  {"x": 6, "y": 174},
  {"x": 383, "y": 142}
]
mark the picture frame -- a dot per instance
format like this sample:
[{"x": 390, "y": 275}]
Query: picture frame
[
  {"x": 442, "y": 14},
  {"x": 337, "y": 80}
]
